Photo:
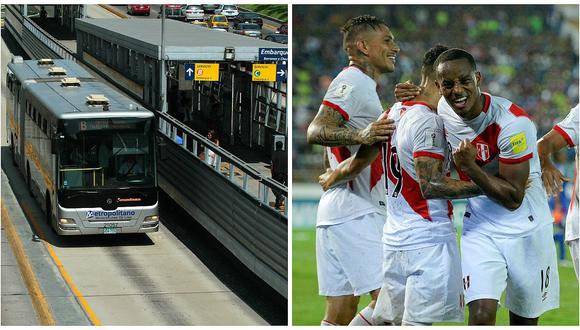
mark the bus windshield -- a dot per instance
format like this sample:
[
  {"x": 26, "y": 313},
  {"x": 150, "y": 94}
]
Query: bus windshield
[{"x": 106, "y": 153}]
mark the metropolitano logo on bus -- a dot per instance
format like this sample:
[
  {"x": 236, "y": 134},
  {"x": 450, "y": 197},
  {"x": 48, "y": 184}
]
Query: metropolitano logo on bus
[{"x": 109, "y": 215}]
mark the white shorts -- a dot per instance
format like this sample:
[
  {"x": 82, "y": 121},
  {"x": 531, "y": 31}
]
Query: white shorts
[
  {"x": 422, "y": 285},
  {"x": 527, "y": 266},
  {"x": 573, "y": 244},
  {"x": 349, "y": 256}
]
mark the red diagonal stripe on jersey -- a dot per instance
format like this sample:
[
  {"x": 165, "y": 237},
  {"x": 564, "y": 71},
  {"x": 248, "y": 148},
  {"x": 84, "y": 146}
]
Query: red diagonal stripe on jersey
[
  {"x": 377, "y": 168},
  {"x": 489, "y": 137},
  {"x": 518, "y": 112},
  {"x": 341, "y": 153},
  {"x": 412, "y": 194}
]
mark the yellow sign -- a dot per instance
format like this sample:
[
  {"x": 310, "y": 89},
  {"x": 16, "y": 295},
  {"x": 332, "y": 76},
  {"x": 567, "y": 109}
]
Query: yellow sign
[
  {"x": 264, "y": 72},
  {"x": 518, "y": 143},
  {"x": 207, "y": 71}
]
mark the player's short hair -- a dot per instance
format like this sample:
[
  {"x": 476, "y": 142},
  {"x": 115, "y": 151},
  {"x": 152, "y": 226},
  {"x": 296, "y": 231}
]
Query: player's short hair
[
  {"x": 455, "y": 54},
  {"x": 357, "y": 25},
  {"x": 427, "y": 69}
]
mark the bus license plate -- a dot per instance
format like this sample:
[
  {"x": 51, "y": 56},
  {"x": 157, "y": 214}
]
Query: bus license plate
[{"x": 110, "y": 229}]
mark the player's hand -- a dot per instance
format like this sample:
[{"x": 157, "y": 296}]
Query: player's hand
[
  {"x": 406, "y": 91},
  {"x": 553, "y": 179},
  {"x": 464, "y": 155},
  {"x": 324, "y": 179},
  {"x": 377, "y": 131}
]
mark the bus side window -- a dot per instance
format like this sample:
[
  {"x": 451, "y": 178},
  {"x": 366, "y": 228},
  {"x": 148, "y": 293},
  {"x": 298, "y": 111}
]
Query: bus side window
[{"x": 44, "y": 126}]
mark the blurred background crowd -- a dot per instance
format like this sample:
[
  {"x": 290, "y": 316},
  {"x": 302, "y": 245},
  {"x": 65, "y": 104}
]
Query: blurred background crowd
[{"x": 527, "y": 54}]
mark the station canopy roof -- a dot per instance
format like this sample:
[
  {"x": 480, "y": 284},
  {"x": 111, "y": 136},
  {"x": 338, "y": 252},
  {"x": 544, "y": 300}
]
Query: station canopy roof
[{"x": 183, "y": 41}]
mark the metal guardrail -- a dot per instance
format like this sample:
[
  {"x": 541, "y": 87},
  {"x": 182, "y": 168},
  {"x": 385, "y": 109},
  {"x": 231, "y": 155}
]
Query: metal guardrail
[{"x": 225, "y": 163}]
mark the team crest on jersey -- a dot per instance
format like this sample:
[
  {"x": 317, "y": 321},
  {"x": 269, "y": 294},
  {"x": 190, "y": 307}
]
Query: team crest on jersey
[
  {"x": 343, "y": 90},
  {"x": 483, "y": 151}
]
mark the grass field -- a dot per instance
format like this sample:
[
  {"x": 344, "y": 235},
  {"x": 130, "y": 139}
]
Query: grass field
[{"x": 308, "y": 306}]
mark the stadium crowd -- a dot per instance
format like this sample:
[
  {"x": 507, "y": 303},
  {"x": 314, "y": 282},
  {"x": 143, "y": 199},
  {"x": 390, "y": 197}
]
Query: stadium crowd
[{"x": 524, "y": 53}]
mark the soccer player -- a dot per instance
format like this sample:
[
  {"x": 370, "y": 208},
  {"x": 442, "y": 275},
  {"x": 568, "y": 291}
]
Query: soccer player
[
  {"x": 507, "y": 234},
  {"x": 422, "y": 267},
  {"x": 564, "y": 133},
  {"x": 350, "y": 218}
]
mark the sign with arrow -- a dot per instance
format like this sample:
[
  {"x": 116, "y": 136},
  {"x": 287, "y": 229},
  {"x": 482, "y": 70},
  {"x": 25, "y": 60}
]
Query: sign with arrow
[
  {"x": 189, "y": 70},
  {"x": 264, "y": 72},
  {"x": 281, "y": 72}
]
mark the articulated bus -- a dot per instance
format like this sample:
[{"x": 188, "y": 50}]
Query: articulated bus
[{"x": 86, "y": 151}]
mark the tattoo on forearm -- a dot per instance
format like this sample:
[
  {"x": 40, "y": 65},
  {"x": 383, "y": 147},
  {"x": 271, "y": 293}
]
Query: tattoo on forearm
[
  {"x": 435, "y": 185},
  {"x": 328, "y": 129}
]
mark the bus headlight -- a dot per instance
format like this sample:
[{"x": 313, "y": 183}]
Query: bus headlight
[
  {"x": 66, "y": 221},
  {"x": 151, "y": 218}
]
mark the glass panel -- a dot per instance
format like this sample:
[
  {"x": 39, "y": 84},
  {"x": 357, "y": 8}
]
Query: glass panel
[{"x": 107, "y": 153}]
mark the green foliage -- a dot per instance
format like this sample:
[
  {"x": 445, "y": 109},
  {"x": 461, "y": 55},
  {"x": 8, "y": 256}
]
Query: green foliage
[
  {"x": 308, "y": 306},
  {"x": 275, "y": 11}
]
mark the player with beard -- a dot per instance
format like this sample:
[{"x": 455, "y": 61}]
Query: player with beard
[{"x": 350, "y": 218}]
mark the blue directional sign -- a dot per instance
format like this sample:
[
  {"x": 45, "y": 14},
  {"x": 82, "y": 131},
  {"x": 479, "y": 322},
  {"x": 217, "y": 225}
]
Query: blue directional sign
[
  {"x": 273, "y": 54},
  {"x": 189, "y": 71},
  {"x": 281, "y": 72}
]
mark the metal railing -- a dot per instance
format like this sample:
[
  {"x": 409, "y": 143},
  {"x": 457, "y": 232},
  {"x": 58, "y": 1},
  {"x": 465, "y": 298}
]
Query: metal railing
[{"x": 228, "y": 165}]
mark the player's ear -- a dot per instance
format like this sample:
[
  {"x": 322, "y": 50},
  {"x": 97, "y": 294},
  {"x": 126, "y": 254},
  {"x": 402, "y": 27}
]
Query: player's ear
[
  {"x": 478, "y": 78},
  {"x": 361, "y": 46}
]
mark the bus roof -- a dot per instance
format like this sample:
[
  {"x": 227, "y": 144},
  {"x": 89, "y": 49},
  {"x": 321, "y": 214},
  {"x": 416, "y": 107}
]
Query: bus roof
[
  {"x": 30, "y": 69},
  {"x": 71, "y": 102}
]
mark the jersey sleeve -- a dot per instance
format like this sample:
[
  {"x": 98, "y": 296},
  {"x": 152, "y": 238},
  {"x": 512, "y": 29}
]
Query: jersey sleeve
[
  {"x": 428, "y": 137},
  {"x": 568, "y": 127},
  {"x": 340, "y": 96},
  {"x": 516, "y": 141}
]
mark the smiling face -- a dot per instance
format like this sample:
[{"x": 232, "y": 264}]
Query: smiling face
[
  {"x": 458, "y": 83},
  {"x": 380, "y": 48}
]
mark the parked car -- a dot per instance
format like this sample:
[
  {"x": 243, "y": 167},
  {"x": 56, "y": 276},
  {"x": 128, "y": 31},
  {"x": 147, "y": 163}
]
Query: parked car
[
  {"x": 209, "y": 9},
  {"x": 283, "y": 28},
  {"x": 192, "y": 12},
  {"x": 277, "y": 37},
  {"x": 248, "y": 17},
  {"x": 139, "y": 9},
  {"x": 228, "y": 11},
  {"x": 248, "y": 29},
  {"x": 199, "y": 23},
  {"x": 172, "y": 11},
  {"x": 218, "y": 21}
]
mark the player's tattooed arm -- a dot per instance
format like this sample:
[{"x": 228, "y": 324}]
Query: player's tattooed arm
[
  {"x": 435, "y": 185},
  {"x": 328, "y": 129},
  {"x": 349, "y": 168}
]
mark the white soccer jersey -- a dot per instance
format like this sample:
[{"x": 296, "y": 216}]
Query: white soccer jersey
[
  {"x": 353, "y": 94},
  {"x": 568, "y": 128},
  {"x": 503, "y": 133},
  {"x": 412, "y": 221}
]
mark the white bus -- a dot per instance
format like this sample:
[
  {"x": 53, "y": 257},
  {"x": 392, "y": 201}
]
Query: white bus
[{"x": 87, "y": 152}]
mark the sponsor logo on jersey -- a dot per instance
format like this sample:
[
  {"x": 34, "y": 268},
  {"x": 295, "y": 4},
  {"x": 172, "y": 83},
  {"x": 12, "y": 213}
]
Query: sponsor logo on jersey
[
  {"x": 518, "y": 143},
  {"x": 117, "y": 214},
  {"x": 483, "y": 151}
]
